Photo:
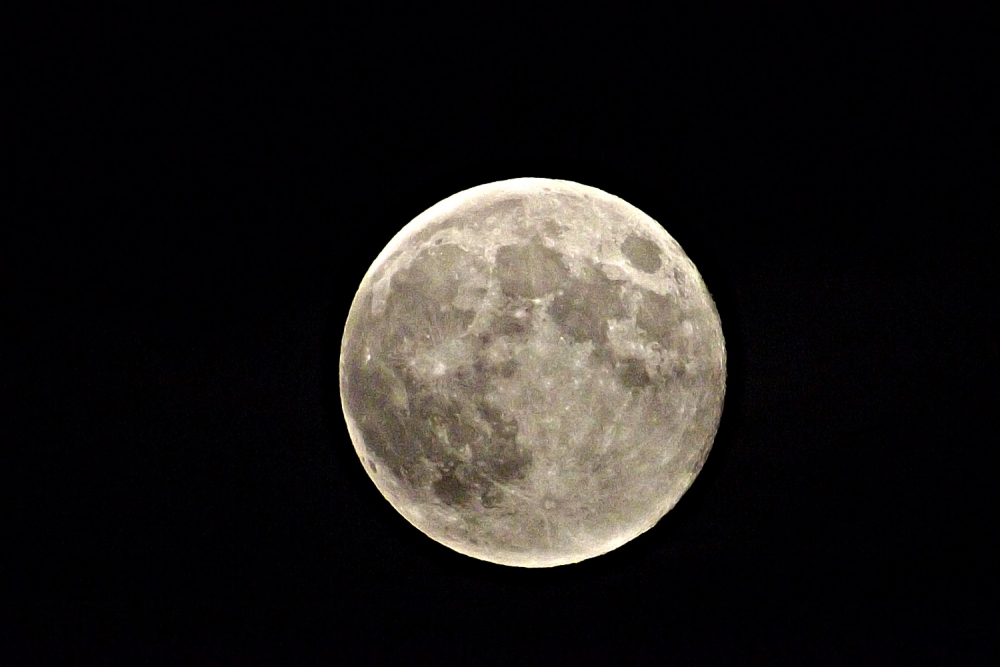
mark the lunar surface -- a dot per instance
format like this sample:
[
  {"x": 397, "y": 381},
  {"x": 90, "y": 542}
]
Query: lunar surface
[{"x": 532, "y": 372}]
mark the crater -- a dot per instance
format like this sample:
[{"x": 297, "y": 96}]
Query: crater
[{"x": 642, "y": 253}]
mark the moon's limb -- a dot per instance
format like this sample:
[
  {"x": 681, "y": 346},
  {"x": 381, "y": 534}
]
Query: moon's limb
[{"x": 533, "y": 372}]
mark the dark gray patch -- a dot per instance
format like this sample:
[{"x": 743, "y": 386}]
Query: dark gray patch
[
  {"x": 383, "y": 427},
  {"x": 508, "y": 325},
  {"x": 440, "y": 426},
  {"x": 507, "y": 465},
  {"x": 514, "y": 318},
  {"x": 419, "y": 303},
  {"x": 501, "y": 427},
  {"x": 451, "y": 491},
  {"x": 469, "y": 380},
  {"x": 492, "y": 496},
  {"x": 551, "y": 228},
  {"x": 583, "y": 306},
  {"x": 446, "y": 428},
  {"x": 632, "y": 373},
  {"x": 444, "y": 437},
  {"x": 530, "y": 270},
  {"x": 641, "y": 253},
  {"x": 508, "y": 368},
  {"x": 659, "y": 316},
  {"x": 503, "y": 459},
  {"x": 434, "y": 272},
  {"x": 487, "y": 367}
]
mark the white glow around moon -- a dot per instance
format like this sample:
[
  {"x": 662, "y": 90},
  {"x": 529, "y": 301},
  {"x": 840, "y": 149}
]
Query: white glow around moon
[{"x": 532, "y": 372}]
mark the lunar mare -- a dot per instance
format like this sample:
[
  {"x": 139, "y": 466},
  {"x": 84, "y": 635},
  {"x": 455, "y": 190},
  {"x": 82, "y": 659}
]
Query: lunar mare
[{"x": 532, "y": 372}]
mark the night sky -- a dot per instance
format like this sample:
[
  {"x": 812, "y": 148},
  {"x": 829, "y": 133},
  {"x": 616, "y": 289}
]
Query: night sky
[{"x": 197, "y": 196}]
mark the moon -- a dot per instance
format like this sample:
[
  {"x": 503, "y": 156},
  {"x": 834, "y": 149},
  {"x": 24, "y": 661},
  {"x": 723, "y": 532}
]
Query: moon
[{"x": 532, "y": 372}]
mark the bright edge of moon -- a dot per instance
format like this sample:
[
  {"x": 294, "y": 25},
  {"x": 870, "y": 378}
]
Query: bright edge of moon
[{"x": 532, "y": 372}]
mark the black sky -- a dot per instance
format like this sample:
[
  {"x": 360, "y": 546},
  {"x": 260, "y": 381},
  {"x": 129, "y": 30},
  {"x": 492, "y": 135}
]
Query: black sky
[{"x": 197, "y": 196}]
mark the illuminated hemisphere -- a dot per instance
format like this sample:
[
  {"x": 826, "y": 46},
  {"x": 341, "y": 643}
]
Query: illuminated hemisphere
[{"x": 532, "y": 372}]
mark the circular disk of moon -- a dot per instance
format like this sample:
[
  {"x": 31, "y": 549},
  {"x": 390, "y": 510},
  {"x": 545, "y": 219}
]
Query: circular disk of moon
[{"x": 532, "y": 372}]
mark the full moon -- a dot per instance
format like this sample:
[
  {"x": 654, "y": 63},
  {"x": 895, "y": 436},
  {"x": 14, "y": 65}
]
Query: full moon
[{"x": 532, "y": 372}]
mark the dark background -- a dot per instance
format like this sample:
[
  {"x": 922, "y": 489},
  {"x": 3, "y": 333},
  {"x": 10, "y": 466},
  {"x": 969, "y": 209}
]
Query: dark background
[{"x": 197, "y": 196}]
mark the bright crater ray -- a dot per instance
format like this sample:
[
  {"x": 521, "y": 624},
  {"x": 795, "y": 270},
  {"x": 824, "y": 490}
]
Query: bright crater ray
[{"x": 533, "y": 372}]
